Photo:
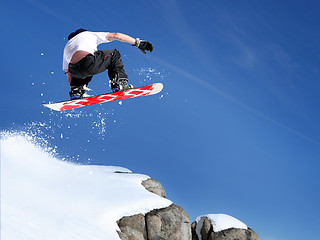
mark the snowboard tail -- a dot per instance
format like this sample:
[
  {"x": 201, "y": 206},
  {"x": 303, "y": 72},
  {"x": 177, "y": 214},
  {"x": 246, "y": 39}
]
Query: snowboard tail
[{"x": 109, "y": 97}]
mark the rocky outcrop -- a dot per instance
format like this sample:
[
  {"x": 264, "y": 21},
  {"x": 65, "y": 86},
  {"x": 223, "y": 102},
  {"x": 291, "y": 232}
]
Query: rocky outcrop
[
  {"x": 173, "y": 223},
  {"x": 160, "y": 224},
  {"x": 207, "y": 233},
  {"x": 133, "y": 228},
  {"x": 167, "y": 223}
]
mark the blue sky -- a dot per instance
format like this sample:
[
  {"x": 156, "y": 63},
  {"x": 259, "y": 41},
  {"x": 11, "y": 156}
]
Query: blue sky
[{"x": 236, "y": 130}]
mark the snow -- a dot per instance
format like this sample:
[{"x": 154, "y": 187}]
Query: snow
[
  {"x": 219, "y": 222},
  {"x": 43, "y": 197}
]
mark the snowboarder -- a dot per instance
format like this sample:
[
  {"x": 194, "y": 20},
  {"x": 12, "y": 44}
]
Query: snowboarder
[{"x": 82, "y": 60}]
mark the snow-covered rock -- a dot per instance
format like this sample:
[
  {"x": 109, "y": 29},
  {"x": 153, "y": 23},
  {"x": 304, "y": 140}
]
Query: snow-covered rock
[
  {"x": 221, "y": 227},
  {"x": 220, "y": 222}
]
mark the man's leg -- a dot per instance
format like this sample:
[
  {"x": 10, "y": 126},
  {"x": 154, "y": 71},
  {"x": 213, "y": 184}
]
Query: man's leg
[
  {"x": 111, "y": 60},
  {"x": 116, "y": 66},
  {"x": 75, "y": 82},
  {"x": 81, "y": 76},
  {"x": 77, "y": 87}
]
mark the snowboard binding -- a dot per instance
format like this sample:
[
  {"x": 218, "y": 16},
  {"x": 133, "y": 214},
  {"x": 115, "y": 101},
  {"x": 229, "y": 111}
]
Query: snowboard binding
[
  {"x": 119, "y": 84},
  {"x": 78, "y": 92}
]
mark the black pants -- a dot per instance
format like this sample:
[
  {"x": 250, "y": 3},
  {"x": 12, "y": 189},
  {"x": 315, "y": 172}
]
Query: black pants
[{"x": 93, "y": 64}]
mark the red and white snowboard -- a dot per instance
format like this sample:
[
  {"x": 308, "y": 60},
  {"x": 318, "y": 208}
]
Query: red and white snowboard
[{"x": 135, "y": 92}]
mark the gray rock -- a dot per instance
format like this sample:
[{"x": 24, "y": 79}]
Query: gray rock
[
  {"x": 206, "y": 229},
  {"x": 207, "y": 233},
  {"x": 132, "y": 228},
  {"x": 122, "y": 236},
  {"x": 154, "y": 186},
  {"x": 171, "y": 223},
  {"x": 193, "y": 231},
  {"x": 233, "y": 233}
]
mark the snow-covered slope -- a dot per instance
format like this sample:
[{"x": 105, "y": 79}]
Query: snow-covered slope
[{"x": 45, "y": 198}]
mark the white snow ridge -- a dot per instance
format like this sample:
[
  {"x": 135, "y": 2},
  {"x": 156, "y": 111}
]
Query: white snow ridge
[{"x": 43, "y": 197}]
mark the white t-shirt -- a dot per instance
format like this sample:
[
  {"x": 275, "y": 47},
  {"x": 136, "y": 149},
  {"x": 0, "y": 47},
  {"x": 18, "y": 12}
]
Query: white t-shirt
[{"x": 85, "y": 41}]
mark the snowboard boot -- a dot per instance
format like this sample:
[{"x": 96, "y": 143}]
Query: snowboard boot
[
  {"x": 119, "y": 84},
  {"x": 77, "y": 92}
]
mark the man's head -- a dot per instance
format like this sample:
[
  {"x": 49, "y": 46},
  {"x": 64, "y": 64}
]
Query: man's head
[{"x": 73, "y": 34}]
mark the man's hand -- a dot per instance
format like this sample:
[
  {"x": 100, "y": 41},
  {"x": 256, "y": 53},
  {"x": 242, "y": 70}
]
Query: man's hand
[{"x": 143, "y": 45}]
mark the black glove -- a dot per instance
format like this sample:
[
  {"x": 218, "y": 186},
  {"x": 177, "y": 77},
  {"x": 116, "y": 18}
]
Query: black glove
[{"x": 143, "y": 45}]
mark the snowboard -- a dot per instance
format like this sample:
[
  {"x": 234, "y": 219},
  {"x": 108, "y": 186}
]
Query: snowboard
[{"x": 131, "y": 93}]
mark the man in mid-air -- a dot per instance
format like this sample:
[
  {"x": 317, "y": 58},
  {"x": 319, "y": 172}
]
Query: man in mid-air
[{"x": 82, "y": 60}]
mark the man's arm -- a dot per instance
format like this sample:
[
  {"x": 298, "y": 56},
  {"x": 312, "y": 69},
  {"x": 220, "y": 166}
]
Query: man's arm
[
  {"x": 121, "y": 37},
  {"x": 141, "y": 44}
]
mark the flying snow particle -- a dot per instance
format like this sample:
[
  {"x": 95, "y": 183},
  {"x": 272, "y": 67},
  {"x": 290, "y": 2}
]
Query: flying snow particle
[{"x": 120, "y": 102}]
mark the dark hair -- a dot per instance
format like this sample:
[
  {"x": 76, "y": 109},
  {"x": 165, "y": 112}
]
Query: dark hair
[{"x": 80, "y": 30}]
